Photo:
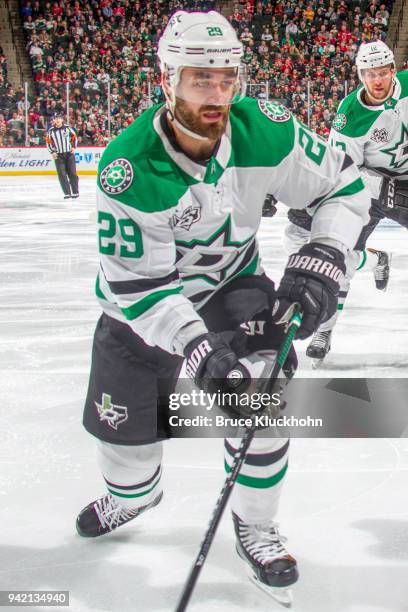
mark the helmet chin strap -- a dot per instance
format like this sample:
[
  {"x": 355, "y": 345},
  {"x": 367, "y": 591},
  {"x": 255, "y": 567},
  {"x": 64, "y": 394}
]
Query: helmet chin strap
[
  {"x": 183, "y": 128},
  {"x": 171, "y": 112}
]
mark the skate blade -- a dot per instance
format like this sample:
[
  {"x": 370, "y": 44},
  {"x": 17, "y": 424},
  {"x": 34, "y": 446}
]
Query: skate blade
[
  {"x": 283, "y": 595},
  {"x": 389, "y": 266},
  {"x": 317, "y": 363}
]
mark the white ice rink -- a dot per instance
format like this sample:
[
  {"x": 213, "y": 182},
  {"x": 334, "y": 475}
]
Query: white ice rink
[{"x": 344, "y": 506}]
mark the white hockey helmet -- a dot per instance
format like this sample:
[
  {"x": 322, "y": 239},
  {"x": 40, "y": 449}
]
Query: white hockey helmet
[
  {"x": 200, "y": 40},
  {"x": 373, "y": 55}
]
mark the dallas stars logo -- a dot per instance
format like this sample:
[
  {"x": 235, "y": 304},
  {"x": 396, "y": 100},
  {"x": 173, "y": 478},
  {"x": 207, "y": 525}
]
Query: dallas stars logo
[
  {"x": 211, "y": 259},
  {"x": 339, "y": 121},
  {"x": 112, "y": 413},
  {"x": 399, "y": 152},
  {"x": 117, "y": 176}
]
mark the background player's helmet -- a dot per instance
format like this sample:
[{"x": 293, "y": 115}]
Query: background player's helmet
[
  {"x": 373, "y": 55},
  {"x": 200, "y": 40}
]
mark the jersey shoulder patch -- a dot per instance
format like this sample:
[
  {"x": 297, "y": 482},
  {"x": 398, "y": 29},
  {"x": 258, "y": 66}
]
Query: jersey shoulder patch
[
  {"x": 262, "y": 133},
  {"x": 117, "y": 176},
  {"x": 339, "y": 122},
  {"x": 353, "y": 119},
  {"x": 274, "y": 111},
  {"x": 344, "y": 111},
  {"x": 137, "y": 171}
]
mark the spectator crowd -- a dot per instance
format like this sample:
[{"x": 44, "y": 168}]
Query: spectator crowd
[
  {"x": 292, "y": 43},
  {"x": 85, "y": 49}
]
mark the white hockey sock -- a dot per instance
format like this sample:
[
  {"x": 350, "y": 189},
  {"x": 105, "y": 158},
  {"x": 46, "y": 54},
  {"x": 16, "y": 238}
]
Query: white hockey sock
[
  {"x": 256, "y": 493},
  {"x": 368, "y": 259},
  {"x": 371, "y": 259},
  {"x": 132, "y": 473}
]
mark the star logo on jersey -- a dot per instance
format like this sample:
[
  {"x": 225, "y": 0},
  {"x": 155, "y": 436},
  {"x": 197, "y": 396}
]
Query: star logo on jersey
[
  {"x": 191, "y": 215},
  {"x": 399, "y": 152},
  {"x": 339, "y": 122},
  {"x": 211, "y": 259},
  {"x": 113, "y": 414},
  {"x": 274, "y": 111},
  {"x": 117, "y": 176}
]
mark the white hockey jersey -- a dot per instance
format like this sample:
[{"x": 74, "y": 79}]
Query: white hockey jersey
[
  {"x": 173, "y": 231},
  {"x": 375, "y": 137}
]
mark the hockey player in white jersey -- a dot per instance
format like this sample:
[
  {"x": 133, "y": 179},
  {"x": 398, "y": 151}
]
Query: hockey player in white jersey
[
  {"x": 371, "y": 125},
  {"x": 180, "y": 195}
]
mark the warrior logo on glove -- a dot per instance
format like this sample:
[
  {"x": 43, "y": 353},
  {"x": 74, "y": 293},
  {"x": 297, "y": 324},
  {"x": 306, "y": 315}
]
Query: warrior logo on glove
[
  {"x": 311, "y": 279},
  {"x": 315, "y": 264},
  {"x": 202, "y": 350}
]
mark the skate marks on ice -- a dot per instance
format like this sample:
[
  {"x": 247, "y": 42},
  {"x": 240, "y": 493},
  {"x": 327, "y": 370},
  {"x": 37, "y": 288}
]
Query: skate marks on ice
[
  {"x": 136, "y": 570},
  {"x": 355, "y": 365},
  {"x": 371, "y": 336},
  {"x": 53, "y": 242},
  {"x": 352, "y": 564},
  {"x": 143, "y": 566},
  {"x": 369, "y": 339},
  {"x": 48, "y": 465}
]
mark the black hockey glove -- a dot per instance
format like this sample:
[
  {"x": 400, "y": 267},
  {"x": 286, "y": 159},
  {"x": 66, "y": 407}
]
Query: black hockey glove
[
  {"x": 214, "y": 367},
  {"x": 394, "y": 199},
  {"x": 311, "y": 278}
]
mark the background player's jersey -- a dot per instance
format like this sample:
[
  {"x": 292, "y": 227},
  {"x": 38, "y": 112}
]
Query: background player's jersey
[
  {"x": 375, "y": 136},
  {"x": 173, "y": 231}
]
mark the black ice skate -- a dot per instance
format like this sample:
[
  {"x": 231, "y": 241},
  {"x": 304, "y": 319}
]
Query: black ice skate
[
  {"x": 382, "y": 269},
  {"x": 105, "y": 515},
  {"x": 268, "y": 563},
  {"x": 319, "y": 347}
]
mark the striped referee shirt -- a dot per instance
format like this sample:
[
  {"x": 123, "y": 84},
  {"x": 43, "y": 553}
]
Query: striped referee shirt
[{"x": 61, "y": 139}]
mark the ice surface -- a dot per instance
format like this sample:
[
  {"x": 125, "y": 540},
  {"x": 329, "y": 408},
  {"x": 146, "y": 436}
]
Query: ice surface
[{"x": 344, "y": 506}]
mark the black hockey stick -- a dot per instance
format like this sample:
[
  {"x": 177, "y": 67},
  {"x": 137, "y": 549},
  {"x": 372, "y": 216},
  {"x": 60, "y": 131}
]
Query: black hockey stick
[{"x": 239, "y": 458}]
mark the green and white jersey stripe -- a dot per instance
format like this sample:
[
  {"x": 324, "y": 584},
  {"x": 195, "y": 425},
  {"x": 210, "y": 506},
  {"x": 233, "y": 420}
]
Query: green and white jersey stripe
[
  {"x": 375, "y": 136},
  {"x": 172, "y": 231}
]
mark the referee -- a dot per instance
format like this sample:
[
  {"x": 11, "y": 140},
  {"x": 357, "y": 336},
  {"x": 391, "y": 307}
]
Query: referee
[{"x": 61, "y": 141}]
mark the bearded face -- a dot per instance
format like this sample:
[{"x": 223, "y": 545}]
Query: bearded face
[
  {"x": 208, "y": 121},
  {"x": 378, "y": 82},
  {"x": 202, "y": 99}
]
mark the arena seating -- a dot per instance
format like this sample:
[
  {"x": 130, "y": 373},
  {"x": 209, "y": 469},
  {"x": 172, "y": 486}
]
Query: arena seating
[{"x": 288, "y": 44}]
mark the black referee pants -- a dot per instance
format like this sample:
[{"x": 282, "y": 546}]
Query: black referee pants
[{"x": 66, "y": 170}]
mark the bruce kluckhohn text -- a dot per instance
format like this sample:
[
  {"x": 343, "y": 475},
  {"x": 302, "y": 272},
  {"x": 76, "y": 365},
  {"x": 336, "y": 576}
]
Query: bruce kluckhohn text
[
  {"x": 259, "y": 403},
  {"x": 262, "y": 421}
]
